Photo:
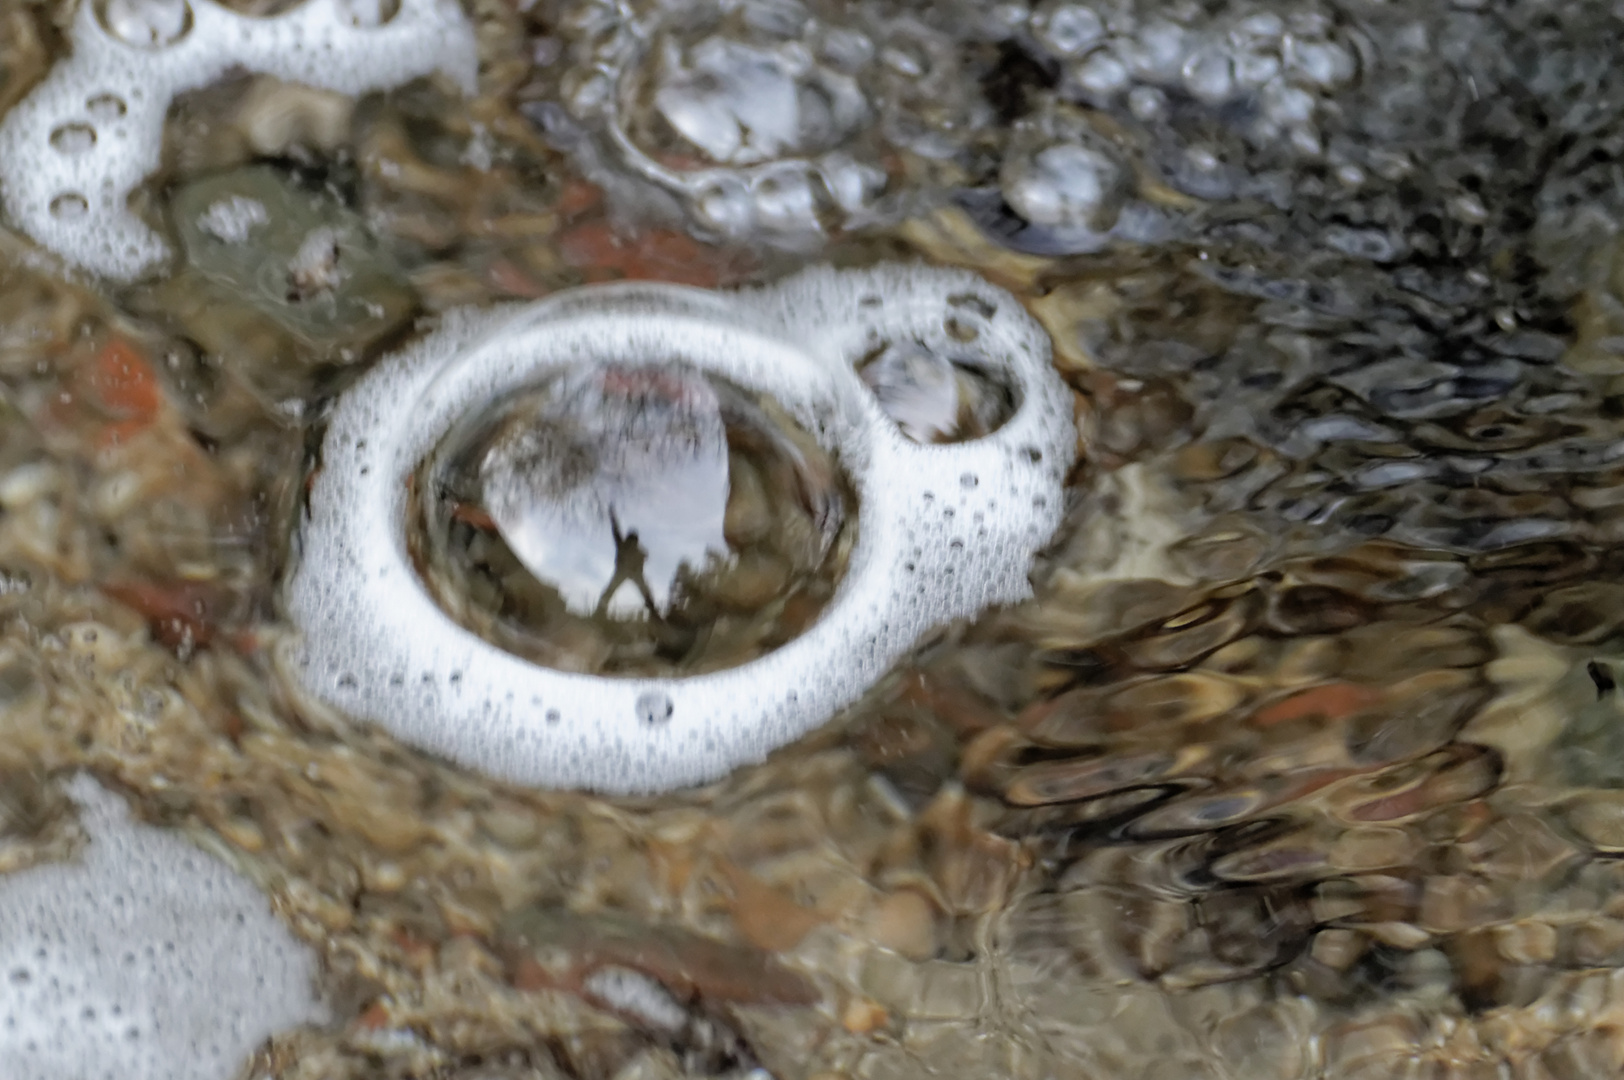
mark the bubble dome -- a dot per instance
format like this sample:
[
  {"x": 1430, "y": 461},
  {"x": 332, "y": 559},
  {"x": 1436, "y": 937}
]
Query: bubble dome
[{"x": 946, "y": 529}]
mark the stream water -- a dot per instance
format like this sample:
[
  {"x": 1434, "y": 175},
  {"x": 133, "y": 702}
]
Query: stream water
[{"x": 1304, "y": 758}]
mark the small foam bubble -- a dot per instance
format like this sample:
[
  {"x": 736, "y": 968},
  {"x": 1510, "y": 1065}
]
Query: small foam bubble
[
  {"x": 96, "y": 123},
  {"x": 145, "y": 960},
  {"x": 799, "y": 342}
]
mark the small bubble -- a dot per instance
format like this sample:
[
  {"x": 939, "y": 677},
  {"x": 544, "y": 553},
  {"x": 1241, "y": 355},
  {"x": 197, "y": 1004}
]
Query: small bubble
[
  {"x": 73, "y": 138},
  {"x": 147, "y": 24},
  {"x": 654, "y": 706},
  {"x": 969, "y": 480},
  {"x": 70, "y": 206}
]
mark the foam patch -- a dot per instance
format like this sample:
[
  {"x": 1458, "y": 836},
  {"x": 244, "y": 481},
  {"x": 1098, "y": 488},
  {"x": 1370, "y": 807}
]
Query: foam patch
[
  {"x": 944, "y": 531},
  {"x": 73, "y": 150},
  {"x": 145, "y": 960}
]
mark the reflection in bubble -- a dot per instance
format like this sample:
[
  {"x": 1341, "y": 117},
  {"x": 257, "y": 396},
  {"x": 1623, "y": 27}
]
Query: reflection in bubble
[
  {"x": 934, "y": 398},
  {"x": 634, "y": 519}
]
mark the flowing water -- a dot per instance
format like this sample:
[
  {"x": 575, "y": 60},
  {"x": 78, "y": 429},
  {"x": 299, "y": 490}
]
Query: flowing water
[{"x": 1305, "y": 758}]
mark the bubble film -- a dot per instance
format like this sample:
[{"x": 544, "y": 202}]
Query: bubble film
[
  {"x": 944, "y": 530},
  {"x": 145, "y": 960},
  {"x": 74, "y": 150}
]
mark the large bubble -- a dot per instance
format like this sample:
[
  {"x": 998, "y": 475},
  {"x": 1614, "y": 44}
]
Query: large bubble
[{"x": 946, "y": 529}]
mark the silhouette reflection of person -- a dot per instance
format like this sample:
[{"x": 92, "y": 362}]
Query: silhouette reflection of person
[{"x": 630, "y": 555}]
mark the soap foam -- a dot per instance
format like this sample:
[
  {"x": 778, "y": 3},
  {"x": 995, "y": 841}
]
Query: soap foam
[
  {"x": 944, "y": 531},
  {"x": 73, "y": 150},
  {"x": 145, "y": 960}
]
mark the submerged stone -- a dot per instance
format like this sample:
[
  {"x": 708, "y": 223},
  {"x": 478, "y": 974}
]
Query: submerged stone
[{"x": 277, "y": 276}]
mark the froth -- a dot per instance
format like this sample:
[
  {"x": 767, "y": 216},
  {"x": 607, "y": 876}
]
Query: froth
[
  {"x": 73, "y": 151},
  {"x": 145, "y": 960},
  {"x": 944, "y": 530}
]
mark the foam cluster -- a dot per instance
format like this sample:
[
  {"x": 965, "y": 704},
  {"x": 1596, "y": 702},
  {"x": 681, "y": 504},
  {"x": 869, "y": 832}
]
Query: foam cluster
[
  {"x": 1283, "y": 65},
  {"x": 144, "y": 960},
  {"x": 944, "y": 530},
  {"x": 782, "y": 107},
  {"x": 73, "y": 150}
]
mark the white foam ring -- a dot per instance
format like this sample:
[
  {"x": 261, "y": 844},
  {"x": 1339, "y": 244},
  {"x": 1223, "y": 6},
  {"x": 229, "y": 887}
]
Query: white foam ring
[
  {"x": 73, "y": 151},
  {"x": 144, "y": 960},
  {"x": 943, "y": 530}
]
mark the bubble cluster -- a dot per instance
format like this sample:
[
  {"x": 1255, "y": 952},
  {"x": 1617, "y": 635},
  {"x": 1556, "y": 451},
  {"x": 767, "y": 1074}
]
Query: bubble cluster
[
  {"x": 145, "y": 960},
  {"x": 1275, "y": 68},
  {"x": 73, "y": 151},
  {"x": 767, "y": 119},
  {"x": 946, "y": 529}
]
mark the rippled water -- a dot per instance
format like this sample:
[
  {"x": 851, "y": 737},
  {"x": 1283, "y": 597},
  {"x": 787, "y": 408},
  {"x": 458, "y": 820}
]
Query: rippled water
[{"x": 1304, "y": 759}]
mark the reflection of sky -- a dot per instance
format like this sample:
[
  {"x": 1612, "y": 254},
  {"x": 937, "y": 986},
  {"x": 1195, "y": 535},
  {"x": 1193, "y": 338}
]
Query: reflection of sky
[
  {"x": 660, "y": 454},
  {"x": 918, "y": 389}
]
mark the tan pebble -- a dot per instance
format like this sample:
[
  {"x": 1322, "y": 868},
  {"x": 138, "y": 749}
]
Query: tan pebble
[
  {"x": 1450, "y": 903},
  {"x": 1184, "y": 698},
  {"x": 311, "y": 902},
  {"x": 1219, "y": 555},
  {"x": 385, "y": 876},
  {"x": 1520, "y": 847},
  {"x": 1598, "y": 943},
  {"x": 242, "y": 833},
  {"x": 1372, "y": 849},
  {"x": 1477, "y": 964},
  {"x": 1213, "y": 460},
  {"x": 1258, "y": 1044},
  {"x": 1598, "y": 817},
  {"x": 749, "y": 515},
  {"x": 1381, "y": 1039},
  {"x": 1399, "y": 935},
  {"x": 511, "y": 825},
  {"x": 774, "y": 826},
  {"x": 1309, "y": 660},
  {"x": 275, "y": 115},
  {"x": 767, "y": 917},
  {"x": 753, "y": 580},
  {"x": 25, "y": 484},
  {"x": 1190, "y": 635},
  {"x": 1068, "y": 307},
  {"x": 904, "y": 922},
  {"x": 861, "y": 1016},
  {"x": 1586, "y": 1055},
  {"x": 1526, "y": 942},
  {"x": 1338, "y": 949}
]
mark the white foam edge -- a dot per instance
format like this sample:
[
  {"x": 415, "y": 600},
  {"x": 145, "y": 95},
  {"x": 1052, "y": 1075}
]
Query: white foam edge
[
  {"x": 142, "y": 931},
  {"x": 313, "y": 44},
  {"x": 375, "y": 644}
]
